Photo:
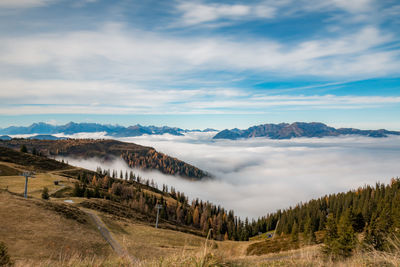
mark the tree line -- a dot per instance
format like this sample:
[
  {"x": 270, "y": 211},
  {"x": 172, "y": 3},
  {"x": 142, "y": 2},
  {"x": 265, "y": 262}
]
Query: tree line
[
  {"x": 159, "y": 161},
  {"x": 137, "y": 193},
  {"x": 371, "y": 210}
]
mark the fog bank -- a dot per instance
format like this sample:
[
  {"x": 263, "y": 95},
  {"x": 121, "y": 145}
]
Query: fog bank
[{"x": 257, "y": 176}]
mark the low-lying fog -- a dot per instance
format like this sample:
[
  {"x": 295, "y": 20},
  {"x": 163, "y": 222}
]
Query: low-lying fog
[{"x": 257, "y": 176}]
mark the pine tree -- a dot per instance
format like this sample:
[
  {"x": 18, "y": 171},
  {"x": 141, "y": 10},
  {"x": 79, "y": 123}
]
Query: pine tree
[
  {"x": 77, "y": 191},
  {"x": 294, "y": 236},
  {"x": 331, "y": 235},
  {"x": 307, "y": 229},
  {"x": 96, "y": 192},
  {"x": 346, "y": 241}
]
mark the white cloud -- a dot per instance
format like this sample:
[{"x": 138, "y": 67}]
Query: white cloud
[
  {"x": 114, "y": 53},
  {"x": 65, "y": 97},
  {"x": 23, "y": 3},
  {"x": 354, "y": 5},
  {"x": 197, "y": 12},
  {"x": 200, "y": 13}
]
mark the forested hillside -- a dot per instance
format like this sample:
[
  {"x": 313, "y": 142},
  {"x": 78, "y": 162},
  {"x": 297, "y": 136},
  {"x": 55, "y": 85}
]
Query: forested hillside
[
  {"x": 135, "y": 155},
  {"x": 143, "y": 195},
  {"x": 371, "y": 210}
]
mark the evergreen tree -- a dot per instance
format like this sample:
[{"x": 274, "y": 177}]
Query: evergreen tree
[
  {"x": 331, "y": 235},
  {"x": 77, "y": 191},
  {"x": 294, "y": 236},
  {"x": 96, "y": 192},
  {"x": 87, "y": 193},
  {"x": 346, "y": 241},
  {"x": 309, "y": 234}
]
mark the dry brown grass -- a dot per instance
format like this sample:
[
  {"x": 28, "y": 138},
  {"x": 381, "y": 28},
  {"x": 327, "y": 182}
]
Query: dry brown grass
[
  {"x": 16, "y": 184},
  {"x": 312, "y": 256},
  {"x": 8, "y": 169},
  {"x": 145, "y": 242},
  {"x": 31, "y": 230},
  {"x": 160, "y": 247},
  {"x": 308, "y": 257}
]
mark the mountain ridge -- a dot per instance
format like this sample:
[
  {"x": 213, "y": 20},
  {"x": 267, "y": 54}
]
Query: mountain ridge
[
  {"x": 111, "y": 130},
  {"x": 136, "y": 156},
  {"x": 297, "y": 129}
]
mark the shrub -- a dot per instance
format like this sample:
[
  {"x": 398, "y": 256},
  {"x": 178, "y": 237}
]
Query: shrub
[
  {"x": 5, "y": 259},
  {"x": 45, "y": 193},
  {"x": 23, "y": 149}
]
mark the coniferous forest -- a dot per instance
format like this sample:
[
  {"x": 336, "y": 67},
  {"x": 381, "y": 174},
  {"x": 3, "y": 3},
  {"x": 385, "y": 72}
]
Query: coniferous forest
[
  {"x": 373, "y": 211},
  {"x": 143, "y": 195}
]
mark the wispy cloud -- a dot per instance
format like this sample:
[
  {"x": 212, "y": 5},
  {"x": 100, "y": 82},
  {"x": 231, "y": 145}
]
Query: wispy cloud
[
  {"x": 114, "y": 52},
  {"x": 63, "y": 97},
  {"x": 23, "y": 3},
  {"x": 196, "y": 12},
  {"x": 201, "y": 13}
]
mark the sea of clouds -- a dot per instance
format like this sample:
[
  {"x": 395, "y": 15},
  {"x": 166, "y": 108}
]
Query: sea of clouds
[{"x": 257, "y": 176}]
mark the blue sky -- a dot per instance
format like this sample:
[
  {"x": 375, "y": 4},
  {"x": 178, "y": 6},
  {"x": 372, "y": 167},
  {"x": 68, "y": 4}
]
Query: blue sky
[{"x": 198, "y": 64}]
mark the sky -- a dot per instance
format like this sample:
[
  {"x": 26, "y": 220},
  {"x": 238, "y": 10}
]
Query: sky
[
  {"x": 199, "y": 64},
  {"x": 258, "y": 176}
]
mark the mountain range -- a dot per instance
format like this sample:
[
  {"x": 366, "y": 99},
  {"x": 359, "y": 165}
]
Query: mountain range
[
  {"x": 111, "y": 130},
  {"x": 297, "y": 129},
  {"x": 272, "y": 131}
]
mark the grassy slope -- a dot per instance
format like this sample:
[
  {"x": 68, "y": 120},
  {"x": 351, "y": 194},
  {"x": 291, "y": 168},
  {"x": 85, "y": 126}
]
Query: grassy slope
[
  {"x": 33, "y": 229},
  {"x": 30, "y": 162},
  {"x": 7, "y": 170},
  {"x": 35, "y": 185},
  {"x": 278, "y": 244}
]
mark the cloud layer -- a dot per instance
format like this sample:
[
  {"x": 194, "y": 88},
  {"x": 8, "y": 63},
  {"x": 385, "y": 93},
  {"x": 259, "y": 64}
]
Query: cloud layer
[{"x": 258, "y": 176}]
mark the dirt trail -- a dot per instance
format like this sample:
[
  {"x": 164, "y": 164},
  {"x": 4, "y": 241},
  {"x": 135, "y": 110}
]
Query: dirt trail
[
  {"x": 108, "y": 237},
  {"x": 57, "y": 189},
  {"x": 66, "y": 170}
]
